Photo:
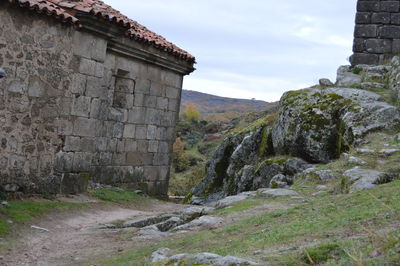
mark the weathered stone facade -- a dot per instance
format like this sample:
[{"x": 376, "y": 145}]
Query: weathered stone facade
[
  {"x": 377, "y": 31},
  {"x": 80, "y": 104}
]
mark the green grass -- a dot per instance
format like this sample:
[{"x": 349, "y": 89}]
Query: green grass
[
  {"x": 114, "y": 196},
  {"x": 240, "y": 206},
  {"x": 20, "y": 212},
  {"x": 327, "y": 218}
]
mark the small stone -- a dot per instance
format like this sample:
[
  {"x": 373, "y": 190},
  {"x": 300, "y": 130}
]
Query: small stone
[
  {"x": 279, "y": 181},
  {"x": 4, "y": 203},
  {"x": 389, "y": 152},
  {"x": 356, "y": 160},
  {"x": 325, "y": 175},
  {"x": 365, "y": 150},
  {"x": 159, "y": 255},
  {"x": 345, "y": 77},
  {"x": 321, "y": 187},
  {"x": 325, "y": 82}
]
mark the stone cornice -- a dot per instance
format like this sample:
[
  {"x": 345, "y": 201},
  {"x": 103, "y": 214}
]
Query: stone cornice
[{"x": 120, "y": 44}]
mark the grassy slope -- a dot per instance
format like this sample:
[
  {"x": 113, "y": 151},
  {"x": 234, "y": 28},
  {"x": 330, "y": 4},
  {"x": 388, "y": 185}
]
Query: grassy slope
[{"x": 349, "y": 223}]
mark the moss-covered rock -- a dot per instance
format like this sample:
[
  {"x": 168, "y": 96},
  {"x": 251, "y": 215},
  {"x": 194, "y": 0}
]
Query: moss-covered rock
[{"x": 319, "y": 124}]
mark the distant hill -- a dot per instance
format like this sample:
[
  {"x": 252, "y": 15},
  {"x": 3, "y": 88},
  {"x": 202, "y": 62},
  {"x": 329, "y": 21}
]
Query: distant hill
[{"x": 208, "y": 103}]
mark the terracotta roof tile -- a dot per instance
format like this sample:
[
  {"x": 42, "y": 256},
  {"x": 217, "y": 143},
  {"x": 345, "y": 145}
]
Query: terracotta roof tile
[{"x": 65, "y": 11}]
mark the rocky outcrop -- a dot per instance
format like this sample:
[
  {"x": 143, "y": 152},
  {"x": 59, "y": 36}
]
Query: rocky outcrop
[
  {"x": 314, "y": 125},
  {"x": 239, "y": 164},
  {"x": 319, "y": 124}
]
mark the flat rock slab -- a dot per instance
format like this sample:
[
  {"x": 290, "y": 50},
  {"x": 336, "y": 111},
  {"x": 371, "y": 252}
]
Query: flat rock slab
[
  {"x": 160, "y": 258},
  {"x": 356, "y": 160},
  {"x": 165, "y": 220},
  {"x": 194, "y": 212},
  {"x": 202, "y": 223},
  {"x": 325, "y": 175},
  {"x": 152, "y": 231},
  {"x": 229, "y": 201},
  {"x": 389, "y": 152},
  {"x": 280, "y": 192},
  {"x": 365, "y": 150},
  {"x": 364, "y": 179}
]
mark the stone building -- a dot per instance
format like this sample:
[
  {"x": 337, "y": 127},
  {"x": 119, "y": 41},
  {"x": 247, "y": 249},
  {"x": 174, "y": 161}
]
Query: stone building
[
  {"x": 89, "y": 94},
  {"x": 377, "y": 31}
]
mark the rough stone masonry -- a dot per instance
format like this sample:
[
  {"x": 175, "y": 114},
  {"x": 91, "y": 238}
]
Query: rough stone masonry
[
  {"x": 89, "y": 96},
  {"x": 377, "y": 31}
]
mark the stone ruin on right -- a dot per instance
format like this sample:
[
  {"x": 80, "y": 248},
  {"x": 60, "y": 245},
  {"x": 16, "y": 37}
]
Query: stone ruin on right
[
  {"x": 375, "y": 63},
  {"x": 377, "y": 32}
]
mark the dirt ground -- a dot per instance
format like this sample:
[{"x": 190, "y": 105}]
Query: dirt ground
[{"x": 73, "y": 237}]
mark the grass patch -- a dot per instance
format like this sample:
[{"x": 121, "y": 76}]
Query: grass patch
[
  {"x": 322, "y": 253},
  {"x": 24, "y": 211},
  {"x": 241, "y": 206},
  {"x": 328, "y": 217},
  {"x": 114, "y": 196}
]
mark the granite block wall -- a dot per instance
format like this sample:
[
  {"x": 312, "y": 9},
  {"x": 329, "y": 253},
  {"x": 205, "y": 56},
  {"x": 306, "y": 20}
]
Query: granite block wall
[
  {"x": 377, "y": 31},
  {"x": 73, "y": 110},
  {"x": 36, "y": 55}
]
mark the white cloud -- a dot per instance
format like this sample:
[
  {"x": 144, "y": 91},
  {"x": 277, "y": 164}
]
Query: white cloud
[{"x": 256, "y": 49}]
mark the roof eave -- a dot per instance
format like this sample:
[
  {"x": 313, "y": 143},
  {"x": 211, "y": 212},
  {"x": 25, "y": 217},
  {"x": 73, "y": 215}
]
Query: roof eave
[{"x": 119, "y": 43}]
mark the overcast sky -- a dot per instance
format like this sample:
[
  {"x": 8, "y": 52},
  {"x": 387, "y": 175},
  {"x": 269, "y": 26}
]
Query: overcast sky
[{"x": 252, "y": 49}]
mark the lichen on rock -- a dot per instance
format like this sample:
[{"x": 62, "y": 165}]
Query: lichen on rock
[{"x": 319, "y": 124}]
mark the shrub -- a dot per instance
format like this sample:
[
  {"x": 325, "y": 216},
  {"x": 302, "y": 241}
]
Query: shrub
[
  {"x": 191, "y": 113},
  {"x": 182, "y": 184}
]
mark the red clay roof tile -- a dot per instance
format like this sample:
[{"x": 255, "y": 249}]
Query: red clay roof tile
[{"x": 65, "y": 11}]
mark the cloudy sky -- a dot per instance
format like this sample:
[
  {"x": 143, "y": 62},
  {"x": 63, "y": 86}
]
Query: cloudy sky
[{"x": 252, "y": 49}]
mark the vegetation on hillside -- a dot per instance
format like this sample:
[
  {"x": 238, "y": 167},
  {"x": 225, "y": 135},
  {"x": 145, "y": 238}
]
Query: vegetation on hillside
[
  {"x": 197, "y": 137},
  {"x": 212, "y": 104},
  {"x": 329, "y": 228}
]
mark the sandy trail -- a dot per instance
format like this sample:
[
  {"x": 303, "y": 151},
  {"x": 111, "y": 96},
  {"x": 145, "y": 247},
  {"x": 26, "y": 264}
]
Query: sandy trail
[{"x": 72, "y": 239}]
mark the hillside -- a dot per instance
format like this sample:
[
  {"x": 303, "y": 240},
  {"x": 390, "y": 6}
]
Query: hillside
[{"x": 207, "y": 103}]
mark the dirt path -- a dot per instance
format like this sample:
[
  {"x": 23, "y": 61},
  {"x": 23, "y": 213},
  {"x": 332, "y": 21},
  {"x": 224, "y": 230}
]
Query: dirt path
[{"x": 72, "y": 239}]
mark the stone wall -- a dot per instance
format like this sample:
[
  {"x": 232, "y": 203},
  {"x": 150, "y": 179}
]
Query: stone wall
[
  {"x": 72, "y": 108},
  {"x": 36, "y": 54},
  {"x": 377, "y": 31}
]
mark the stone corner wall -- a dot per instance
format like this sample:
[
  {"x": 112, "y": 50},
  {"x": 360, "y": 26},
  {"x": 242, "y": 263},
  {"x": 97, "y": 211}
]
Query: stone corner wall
[
  {"x": 73, "y": 109},
  {"x": 377, "y": 31}
]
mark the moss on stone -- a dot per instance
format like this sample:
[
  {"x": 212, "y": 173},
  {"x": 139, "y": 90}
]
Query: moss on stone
[
  {"x": 220, "y": 170},
  {"x": 264, "y": 142}
]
